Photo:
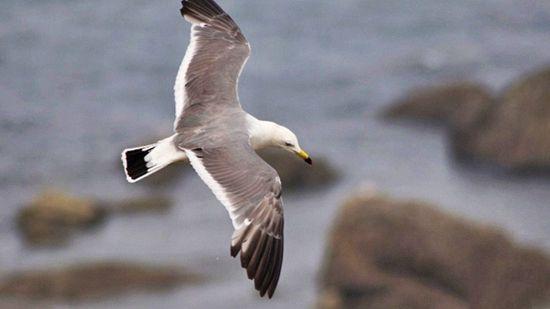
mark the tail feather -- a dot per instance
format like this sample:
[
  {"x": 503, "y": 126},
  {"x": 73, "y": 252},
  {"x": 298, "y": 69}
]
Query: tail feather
[
  {"x": 144, "y": 161},
  {"x": 134, "y": 161}
]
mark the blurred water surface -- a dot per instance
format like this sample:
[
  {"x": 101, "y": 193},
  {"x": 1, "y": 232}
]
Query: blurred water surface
[{"x": 81, "y": 80}]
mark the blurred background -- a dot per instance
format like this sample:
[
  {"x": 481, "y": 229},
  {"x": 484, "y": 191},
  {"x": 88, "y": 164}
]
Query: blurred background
[{"x": 429, "y": 121}]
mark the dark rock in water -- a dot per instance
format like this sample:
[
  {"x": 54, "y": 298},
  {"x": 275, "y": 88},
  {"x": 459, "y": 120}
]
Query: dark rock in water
[
  {"x": 514, "y": 132},
  {"x": 439, "y": 103},
  {"x": 53, "y": 216},
  {"x": 92, "y": 281},
  {"x": 296, "y": 174},
  {"x": 510, "y": 131},
  {"x": 384, "y": 253}
]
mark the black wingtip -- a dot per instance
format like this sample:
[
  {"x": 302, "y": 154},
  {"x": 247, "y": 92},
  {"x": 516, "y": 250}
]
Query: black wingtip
[
  {"x": 183, "y": 9},
  {"x": 200, "y": 9},
  {"x": 261, "y": 257},
  {"x": 210, "y": 13},
  {"x": 234, "y": 251}
]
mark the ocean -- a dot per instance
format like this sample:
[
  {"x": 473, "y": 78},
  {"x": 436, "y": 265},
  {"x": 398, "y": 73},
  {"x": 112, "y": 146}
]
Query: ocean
[{"x": 82, "y": 80}]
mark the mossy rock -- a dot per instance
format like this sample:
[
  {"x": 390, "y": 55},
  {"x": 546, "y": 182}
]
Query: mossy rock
[
  {"x": 92, "y": 281},
  {"x": 53, "y": 216}
]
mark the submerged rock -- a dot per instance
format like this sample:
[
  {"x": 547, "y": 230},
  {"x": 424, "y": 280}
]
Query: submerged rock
[
  {"x": 92, "y": 281},
  {"x": 53, "y": 216},
  {"x": 384, "y": 253},
  {"x": 514, "y": 132},
  {"x": 440, "y": 103},
  {"x": 296, "y": 174}
]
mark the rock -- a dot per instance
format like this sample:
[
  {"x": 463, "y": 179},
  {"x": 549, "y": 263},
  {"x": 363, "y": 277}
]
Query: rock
[
  {"x": 513, "y": 132},
  {"x": 91, "y": 281},
  {"x": 53, "y": 216},
  {"x": 296, "y": 174},
  {"x": 439, "y": 103},
  {"x": 384, "y": 253}
]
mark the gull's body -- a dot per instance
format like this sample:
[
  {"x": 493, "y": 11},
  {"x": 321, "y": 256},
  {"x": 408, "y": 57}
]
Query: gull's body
[{"x": 219, "y": 139}]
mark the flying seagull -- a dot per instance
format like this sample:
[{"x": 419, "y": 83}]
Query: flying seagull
[{"x": 219, "y": 139}]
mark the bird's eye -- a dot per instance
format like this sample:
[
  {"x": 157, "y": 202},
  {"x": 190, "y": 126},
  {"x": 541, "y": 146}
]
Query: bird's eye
[{"x": 288, "y": 144}]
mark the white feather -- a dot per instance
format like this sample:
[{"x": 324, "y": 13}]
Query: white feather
[
  {"x": 165, "y": 152},
  {"x": 180, "y": 94},
  {"x": 216, "y": 188}
]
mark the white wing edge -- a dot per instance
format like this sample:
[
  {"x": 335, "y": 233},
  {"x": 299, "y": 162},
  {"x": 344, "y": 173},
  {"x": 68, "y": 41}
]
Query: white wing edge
[
  {"x": 216, "y": 188},
  {"x": 180, "y": 94}
]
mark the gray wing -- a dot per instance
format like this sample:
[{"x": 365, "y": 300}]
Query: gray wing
[
  {"x": 214, "y": 59},
  {"x": 250, "y": 190}
]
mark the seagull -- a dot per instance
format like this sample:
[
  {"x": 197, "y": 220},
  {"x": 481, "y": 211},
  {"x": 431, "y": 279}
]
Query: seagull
[{"x": 219, "y": 139}]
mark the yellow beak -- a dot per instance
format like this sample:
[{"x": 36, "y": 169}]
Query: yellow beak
[{"x": 305, "y": 156}]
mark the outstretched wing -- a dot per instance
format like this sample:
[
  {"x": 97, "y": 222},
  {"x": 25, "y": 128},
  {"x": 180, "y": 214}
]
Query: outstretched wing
[
  {"x": 250, "y": 190},
  {"x": 214, "y": 59}
]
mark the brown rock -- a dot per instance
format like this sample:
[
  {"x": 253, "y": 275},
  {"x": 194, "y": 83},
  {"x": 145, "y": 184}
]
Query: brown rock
[
  {"x": 439, "y": 103},
  {"x": 91, "y": 281},
  {"x": 53, "y": 216},
  {"x": 514, "y": 132},
  {"x": 384, "y": 253},
  {"x": 296, "y": 174}
]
